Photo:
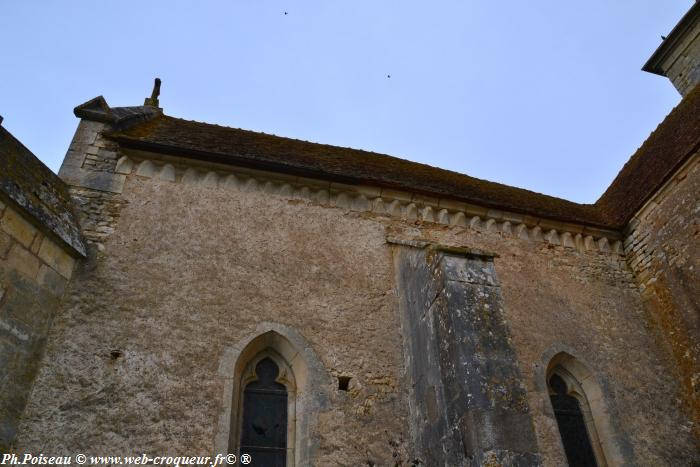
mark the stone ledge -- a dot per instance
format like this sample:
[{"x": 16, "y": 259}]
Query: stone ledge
[{"x": 383, "y": 202}]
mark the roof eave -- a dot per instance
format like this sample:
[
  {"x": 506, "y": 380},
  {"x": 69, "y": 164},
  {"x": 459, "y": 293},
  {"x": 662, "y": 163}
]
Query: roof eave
[
  {"x": 677, "y": 34},
  {"x": 134, "y": 143}
]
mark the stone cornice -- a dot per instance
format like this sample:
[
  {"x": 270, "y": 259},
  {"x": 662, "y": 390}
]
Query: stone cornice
[{"x": 379, "y": 201}]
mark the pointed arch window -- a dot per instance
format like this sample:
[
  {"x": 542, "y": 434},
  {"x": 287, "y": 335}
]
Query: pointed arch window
[
  {"x": 266, "y": 409},
  {"x": 299, "y": 372},
  {"x": 575, "y": 422},
  {"x": 264, "y": 418},
  {"x": 571, "y": 423}
]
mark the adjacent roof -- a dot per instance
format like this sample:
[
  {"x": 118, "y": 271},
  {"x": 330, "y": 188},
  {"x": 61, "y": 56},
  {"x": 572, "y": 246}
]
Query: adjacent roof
[
  {"x": 32, "y": 186},
  {"x": 668, "y": 147}
]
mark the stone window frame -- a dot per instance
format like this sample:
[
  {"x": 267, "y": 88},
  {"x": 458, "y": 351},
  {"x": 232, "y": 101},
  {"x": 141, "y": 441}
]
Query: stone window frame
[
  {"x": 312, "y": 384},
  {"x": 575, "y": 390},
  {"x": 607, "y": 442},
  {"x": 284, "y": 377}
]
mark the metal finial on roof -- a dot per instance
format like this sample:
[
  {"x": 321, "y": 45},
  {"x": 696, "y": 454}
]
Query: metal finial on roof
[
  {"x": 1, "y": 119},
  {"x": 153, "y": 100}
]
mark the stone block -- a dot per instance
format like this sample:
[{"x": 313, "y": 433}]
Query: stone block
[
  {"x": 506, "y": 228},
  {"x": 102, "y": 181},
  {"x": 411, "y": 212},
  {"x": 322, "y": 197},
  {"x": 21, "y": 260},
  {"x": 394, "y": 208},
  {"x": 512, "y": 217},
  {"x": 124, "y": 165},
  {"x": 474, "y": 210},
  {"x": 598, "y": 233},
  {"x": 458, "y": 219},
  {"x": 342, "y": 200},
  {"x": 15, "y": 329},
  {"x": 443, "y": 216},
  {"x": 360, "y": 203},
  {"x": 367, "y": 191},
  {"x": 475, "y": 223},
  {"x": 427, "y": 214},
  {"x": 378, "y": 206},
  {"x": 57, "y": 258},
  {"x": 491, "y": 226},
  {"x": 494, "y": 214},
  {"x": 107, "y": 154},
  {"x": 146, "y": 169},
  {"x": 51, "y": 280},
  {"x": 14, "y": 224},
  {"x": 536, "y": 234},
  {"x": 452, "y": 204},
  {"x": 87, "y": 131},
  {"x": 36, "y": 244},
  {"x": 552, "y": 237},
  {"x": 397, "y": 195},
  {"x": 167, "y": 173},
  {"x": 211, "y": 180},
  {"x": 27, "y": 313},
  {"x": 5, "y": 244},
  {"x": 426, "y": 200},
  {"x": 190, "y": 176},
  {"x": 310, "y": 182}
]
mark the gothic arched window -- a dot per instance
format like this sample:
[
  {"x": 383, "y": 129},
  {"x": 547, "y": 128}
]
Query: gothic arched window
[
  {"x": 264, "y": 418},
  {"x": 574, "y": 420},
  {"x": 572, "y": 427}
]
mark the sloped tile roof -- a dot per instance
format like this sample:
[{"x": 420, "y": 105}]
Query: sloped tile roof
[
  {"x": 673, "y": 142},
  {"x": 259, "y": 150},
  {"x": 667, "y": 148}
]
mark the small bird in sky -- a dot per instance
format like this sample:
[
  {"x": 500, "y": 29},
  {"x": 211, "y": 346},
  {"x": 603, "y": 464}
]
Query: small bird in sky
[
  {"x": 285, "y": 12},
  {"x": 388, "y": 76}
]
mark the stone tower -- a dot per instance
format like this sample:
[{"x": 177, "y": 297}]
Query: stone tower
[{"x": 678, "y": 57}]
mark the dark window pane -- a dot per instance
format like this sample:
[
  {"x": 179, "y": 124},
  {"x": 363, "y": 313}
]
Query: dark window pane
[
  {"x": 264, "y": 426},
  {"x": 572, "y": 427}
]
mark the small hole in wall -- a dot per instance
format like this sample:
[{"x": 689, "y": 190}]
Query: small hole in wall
[
  {"x": 343, "y": 383},
  {"x": 115, "y": 354}
]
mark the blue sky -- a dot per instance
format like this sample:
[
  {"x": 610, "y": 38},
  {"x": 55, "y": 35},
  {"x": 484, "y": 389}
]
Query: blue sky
[{"x": 544, "y": 95}]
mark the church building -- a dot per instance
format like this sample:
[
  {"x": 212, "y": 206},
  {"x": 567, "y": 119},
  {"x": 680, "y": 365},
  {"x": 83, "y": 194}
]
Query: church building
[{"x": 184, "y": 288}]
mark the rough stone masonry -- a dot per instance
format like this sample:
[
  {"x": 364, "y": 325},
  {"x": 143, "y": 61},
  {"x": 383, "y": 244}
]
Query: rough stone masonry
[{"x": 414, "y": 315}]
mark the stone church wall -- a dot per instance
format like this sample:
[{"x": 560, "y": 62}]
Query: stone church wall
[
  {"x": 188, "y": 259},
  {"x": 39, "y": 244},
  {"x": 663, "y": 250},
  {"x": 34, "y": 271}
]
